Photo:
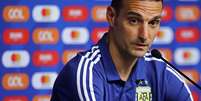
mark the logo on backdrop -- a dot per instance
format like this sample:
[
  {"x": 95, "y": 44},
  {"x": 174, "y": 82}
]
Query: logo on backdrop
[
  {"x": 75, "y": 35},
  {"x": 15, "y": 81},
  {"x": 16, "y": 36},
  {"x": 195, "y": 96},
  {"x": 15, "y": 59},
  {"x": 15, "y": 98},
  {"x": 45, "y": 35},
  {"x": 75, "y": 13},
  {"x": 68, "y": 55},
  {"x": 97, "y": 34},
  {"x": 192, "y": 74},
  {"x": 46, "y": 13},
  {"x": 99, "y": 13},
  {"x": 164, "y": 36},
  {"x": 45, "y": 58},
  {"x": 166, "y": 53},
  {"x": 43, "y": 80},
  {"x": 167, "y": 13},
  {"x": 187, "y": 34},
  {"x": 187, "y": 56},
  {"x": 41, "y": 98},
  {"x": 16, "y": 13},
  {"x": 187, "y": 13}
]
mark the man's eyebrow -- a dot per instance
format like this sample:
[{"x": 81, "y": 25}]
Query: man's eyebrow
[
  {"x": 134, "y": 14},
  {"x": 157, "y": 17},
  {"x": 140, "y": 16}
]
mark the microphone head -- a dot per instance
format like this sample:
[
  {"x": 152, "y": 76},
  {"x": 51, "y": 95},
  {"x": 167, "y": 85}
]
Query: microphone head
[{"x": 156, "y": 53}]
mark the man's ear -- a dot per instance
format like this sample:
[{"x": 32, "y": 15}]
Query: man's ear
[{"x": 111, "y": 14}]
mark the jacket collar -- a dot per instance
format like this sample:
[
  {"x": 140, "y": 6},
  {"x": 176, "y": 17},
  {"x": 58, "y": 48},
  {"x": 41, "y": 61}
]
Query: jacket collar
[{"x": 109, "y": 67}]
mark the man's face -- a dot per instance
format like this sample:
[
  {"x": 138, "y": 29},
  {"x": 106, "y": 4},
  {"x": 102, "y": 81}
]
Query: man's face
[{"x": 135, "y": 27}]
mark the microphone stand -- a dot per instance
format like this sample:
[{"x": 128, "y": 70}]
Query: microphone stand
[
  {"x": 158, "y": 55},
  {"x": 182, "y": 73}
]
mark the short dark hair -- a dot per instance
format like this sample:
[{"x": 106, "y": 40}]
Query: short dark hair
[{"x": 117, "y": 4}]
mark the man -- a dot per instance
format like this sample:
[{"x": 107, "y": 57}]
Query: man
[{"x": 120, "y": 67}]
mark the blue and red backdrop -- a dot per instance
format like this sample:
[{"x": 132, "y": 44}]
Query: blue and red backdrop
[{"x": 38, "y": 37}]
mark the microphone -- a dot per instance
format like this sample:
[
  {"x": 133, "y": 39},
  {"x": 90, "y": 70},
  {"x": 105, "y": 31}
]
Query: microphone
[{"x": 157, "y": 54}]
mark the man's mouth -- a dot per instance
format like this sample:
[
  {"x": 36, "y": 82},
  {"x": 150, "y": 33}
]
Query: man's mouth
[{"x": 141, "y": 44}]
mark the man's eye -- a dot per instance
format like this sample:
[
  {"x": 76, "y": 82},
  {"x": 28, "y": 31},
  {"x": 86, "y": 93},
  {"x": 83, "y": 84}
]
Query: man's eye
[
  {"x": 154, "y": 23},
  {"x": 133, "y": 21}
]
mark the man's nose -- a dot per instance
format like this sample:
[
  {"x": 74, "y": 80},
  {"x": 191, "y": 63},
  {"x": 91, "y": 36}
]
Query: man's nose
[{"x": 143, "y": 32}]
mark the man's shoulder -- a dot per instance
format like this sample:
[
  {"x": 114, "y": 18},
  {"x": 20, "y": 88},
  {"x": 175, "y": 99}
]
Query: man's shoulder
[
  {"x": 162, "y": 68},
  {"x": 170, "y": 79},
  {"x": 78, "y": 65},
  {"x": 91, "y": 55},
  {"x": 150, "y": 59},
  {"x": 158, "y": 64},
  {"x": 154, "y": 64}
]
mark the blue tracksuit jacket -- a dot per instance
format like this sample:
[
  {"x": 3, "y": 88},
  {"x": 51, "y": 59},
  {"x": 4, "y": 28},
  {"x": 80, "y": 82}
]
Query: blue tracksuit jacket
[{"x": 92, "y": 76}]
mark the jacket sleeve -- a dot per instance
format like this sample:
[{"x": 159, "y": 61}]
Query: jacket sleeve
[
  {"x": 65, "y": 85},
  {"x": 175, "y": 86},
  {"x": 72, "y": 85}
]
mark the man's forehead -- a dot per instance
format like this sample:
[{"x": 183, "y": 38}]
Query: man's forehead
[
  {"x": 146, "y": 9},
  {"x": 150, "y": 7},
  {"x": 145, "y": 0},
  {"x": 130, "y": 2}
]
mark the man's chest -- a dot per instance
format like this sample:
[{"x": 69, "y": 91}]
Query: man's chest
[{"x": 128, "y": 91}]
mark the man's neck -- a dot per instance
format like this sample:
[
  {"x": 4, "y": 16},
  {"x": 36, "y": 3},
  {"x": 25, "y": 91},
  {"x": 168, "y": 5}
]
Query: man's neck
[{"x": 124, "y": 63}]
